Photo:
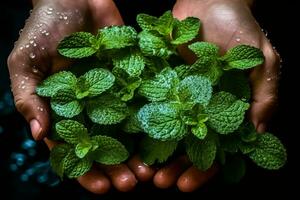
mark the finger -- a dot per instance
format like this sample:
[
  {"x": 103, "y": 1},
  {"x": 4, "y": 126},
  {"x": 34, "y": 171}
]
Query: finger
[
  {"x": 95, "y": 181},
  {"x": 121, "y": 176},
  {"x": 104, "y": 13},
  {"x": 194, "y": 178},
  {"x": 167, "y": 176},
  {"x": 24, "y": 79},
  {"x": 264, "y": 81},
  {"x": 142, "y": 171}
]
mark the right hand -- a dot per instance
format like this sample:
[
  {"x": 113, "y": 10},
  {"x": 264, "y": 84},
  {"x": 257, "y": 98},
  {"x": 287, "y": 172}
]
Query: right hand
[{"x": 34, "y": 57}]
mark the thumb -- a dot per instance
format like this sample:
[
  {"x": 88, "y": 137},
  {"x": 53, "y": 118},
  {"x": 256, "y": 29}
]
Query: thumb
[
  {"x": 264, "y": 80},
  {"x": 25, "y": 76}
]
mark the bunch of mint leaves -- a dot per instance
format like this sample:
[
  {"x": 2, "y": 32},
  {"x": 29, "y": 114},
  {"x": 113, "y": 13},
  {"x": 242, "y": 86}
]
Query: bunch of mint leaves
[{"x": 131, "y": 92}]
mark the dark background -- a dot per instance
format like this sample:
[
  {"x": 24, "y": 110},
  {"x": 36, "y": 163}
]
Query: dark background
[{"x": 25, "y": 172}]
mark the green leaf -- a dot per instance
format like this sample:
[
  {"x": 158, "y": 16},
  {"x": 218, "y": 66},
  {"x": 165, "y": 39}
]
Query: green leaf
[
  {"x": 269, "y": 152},
  {"x": 205, "y": 50},
  {"x": 57, "y": 155},
  {"x": 200, "y": 131},
  {"x": 229, "y": 143},
  {"x": 117, "y": 37},
  {"x": 146, "y": 22},
  {"x": 132, "y": 62},
  {"x": 153, "y": 151},
  {"x": 109, "y": 152},
  {"x": 162, "y": 121},
  {"x": 160, "y": 88},
  {"x": 225, "y": 112},
  {"x": 55, "y": 82},
  {"x": 165, "y": 24},
  {"x": 74, "y": 166},
  {"x": 94, "y": 82},
  {"x": 185, "y": 30},
  {"x": 195, "y": 89},
  {"x": 82, "y": 149},
  {"x": 154, "y": 45},
  {"x": 202, "y": 153},
  {"x": 71, "y": 131},
  {"x": 242, "y": 57},
  {"x": 106, "y": 110},
  {"x": 65, "y": 104},
  {"x": 236, "y": 83},
  {"x": 78, "y": 45},
  {"x": 127, "y": 92}
]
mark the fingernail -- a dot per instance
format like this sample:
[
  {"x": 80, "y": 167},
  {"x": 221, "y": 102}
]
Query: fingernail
[
  {"x": 35, "y": 129},
  {"x": 261, "y": 128}
]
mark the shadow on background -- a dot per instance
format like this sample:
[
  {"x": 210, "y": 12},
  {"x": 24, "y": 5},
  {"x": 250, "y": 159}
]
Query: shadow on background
[{"x": 24, "y": 168}]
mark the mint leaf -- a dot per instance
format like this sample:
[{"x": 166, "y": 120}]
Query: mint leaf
[
  {"x": 106, "y": 110},
  {"x": 185, "y": 30},
  {"x": 225, "y": 112},
  {"x": 74, "y": 166},
  {"x": 205, "y": 51},
  {"x": 83, "y": 148},
  {"x": 109, "y": 152},
  {"x": 94, "y": 82},
  {"x": 202, "y": 153},
  {"x": 195, "y": 89},
  {"x": 65, "y": 104},
  {"x": 55, "y": 82},
  {"x": 146, "y": 22},
  {"x": 236, "y": 83},
  {"x": 71, "y": 131},
  {"x": 269, "y": 152},
  {"x": 162, "y": 121},
  {"x": 154, "y": 45},
  {"x": 159, "y": 88},
  {"x": 117, "y": 37},
  {"x": 165, "y": 23},
  {"x": 78, "y": 45},
  {"x": 153, "y": 151},
  {"x": 127, "y": 92},
  {"x": 200, "y": 131},
  {"x": 131, "y": 62},
  {"x": 57, "y": 155},
  {"x": 242, "y": 57}
]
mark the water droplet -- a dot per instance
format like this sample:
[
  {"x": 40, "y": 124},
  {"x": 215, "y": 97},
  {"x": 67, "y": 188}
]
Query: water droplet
[
  {"x": 238, "y": 39},
  {"x": 34, "y": 37},
  {"x": 20, "y": 31},
  {"x": 47, "y": 33},
  {"x": 60, "y": 17},
  {"x": 16, "y": 75},
  {"x": 50, "y": 9},
  {"x": 34, "y": 44},
  {"x": 22, "y": 82},
  {"x": 49, "y": 12},
  {"x": 23, "y": 87},
  {"x": 30, "y": 11},
  {"x": 67, "y": 23},
  {"x": 43, "y": 31},
  {"x": 35, "y": 70},
  {"x": 31, "y": 41},
  {"x": 269, "y": 79},
  {"x": 241, "y": 32},
  {"x": 32, "y": 55},
  {"x": 27, "y": 46},
  {"x": 21, "y": 48},
  {"x": 65, "y": 17},
  {"x": 43, "y": 48},
  {"x": 26, "y": 77}
]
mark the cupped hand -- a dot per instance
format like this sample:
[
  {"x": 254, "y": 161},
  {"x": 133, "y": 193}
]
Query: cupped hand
[
  {"x": 226, "y": 23},
  {"x": 34, "y": 57}
]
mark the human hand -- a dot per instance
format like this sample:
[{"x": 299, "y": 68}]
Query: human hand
[
  {"x": 226, "y": 23},
  {"x": 35, "y": 57}
]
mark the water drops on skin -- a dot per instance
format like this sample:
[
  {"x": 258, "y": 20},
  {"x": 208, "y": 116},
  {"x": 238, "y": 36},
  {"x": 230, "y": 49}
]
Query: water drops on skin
[
  {"x": 43, "y": 48},
  {"x": 40, "y": 108},
  {"x": 35, "y": 69},
  {"x": 31, "y": 41},
  {"x": 238, "y": 39},
  {"x": 27, "y": 46},
  {"x": 32, "y": 55},
  {"x": 21, "y": 48}
]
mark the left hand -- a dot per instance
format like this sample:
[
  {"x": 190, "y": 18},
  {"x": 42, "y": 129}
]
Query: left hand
[{"x": 226, "y": 23}]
